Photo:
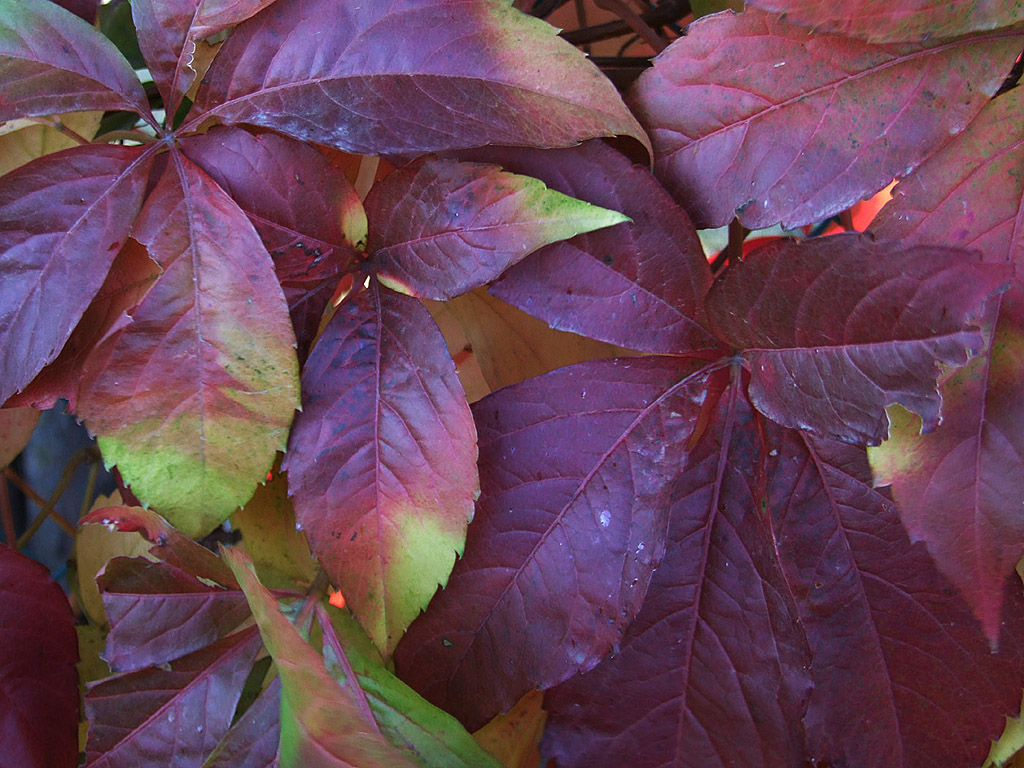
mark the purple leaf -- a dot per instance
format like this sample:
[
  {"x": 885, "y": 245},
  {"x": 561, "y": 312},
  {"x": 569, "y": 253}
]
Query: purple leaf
[
  {"x": 252, "y": 740},
  {"x": 794, "y": 127},
  {"x": 348, "y": 86},
  {"x": 54, "y": 62},
  {"x": 713, "y": 671},
  {"x": 382, "y": 459},
  {"x": 38, "y": 680},
  {"x": 158, "y": 612},
  {"x": 903, "y": 674},
  {"x": 835, "y": 329},
  {"x": 576, "y": 467},
  {"x": 170, "y": 715},
  {"x": 63, "y": 219},
  {"x": 440, "y": 228},
  {"x": 303, "y": 207},
  {"x": 638, "y": 285}
]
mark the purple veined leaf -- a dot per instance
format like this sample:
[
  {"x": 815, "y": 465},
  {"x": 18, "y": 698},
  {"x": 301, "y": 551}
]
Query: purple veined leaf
[
  {"x": 158, "y": 612},
  {"x": 169, "y": 544},
  {"x": 169, "y": 29},
  {"x": 884, "y": 21},
  {"x": 959, "y": 488},
  {"x": 903, "y": 675},
  {"x": 63, "y": 219},
  {"x": 53, "y": 62},
  {"x": 639, "y": 285},
  {"x": 834, "y": 329},
  {"x": 304, "y": 208},
  {"x": 127, "y": 282},
  {"x": 194, "y": 397},
  {"x": 38, "y": 680},
  {"x": 442, "y": 227},
  {"x": 713, "y": 670},
  {"x": 169, "y": 715},
  {"x": 575, "y": 471},
  {"x": 795, "y": 127},
  {"x": 253, "y": 739},
  {"x": 382, "y": 459},
  {"x": 349, "y": 88},
  {"x": 323, "y": 724}
]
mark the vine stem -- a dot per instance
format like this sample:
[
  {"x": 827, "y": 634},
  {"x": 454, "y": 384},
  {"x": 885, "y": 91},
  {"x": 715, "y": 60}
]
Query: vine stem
[
  {"x": 58, "y": 125},
  {"x": 81, "y": 456},
  {"x": 635, "y": 22}
]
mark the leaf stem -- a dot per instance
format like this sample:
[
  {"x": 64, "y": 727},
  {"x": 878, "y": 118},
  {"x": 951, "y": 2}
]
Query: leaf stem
[
  {"x": 139, "y": 136},
  {"x": 58, "y": 125},
  {"x": 635, "y": 22},
  {"x": 82, "y": 455}
]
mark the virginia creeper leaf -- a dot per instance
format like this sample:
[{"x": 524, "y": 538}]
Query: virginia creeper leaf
[
  {"x": 880, "y": 21},
  {"x": 435, "y": 737},
  {"x": 16, "y": 428},
  {"x": 51, "y": 61},
  {"x": 714, "y": 666},
  {"x": 38, "y": 681},
  {"x": 514, "y": 737},
  {"x": 63, "y": 219},
  {"x": 323, "y": 723},
  {"x": 558, "y": 559},
  {"x": 302, "y": 205},
  {"x": 158, "y": 613},
  {"x": 888, "y": 636},
  {"x": 127, "y": 282},
  {"x": 639, "y": 285},
  {"x": 83, "y": 9},
  {"x": 22, "y": 141},
  {"x": 960, "y": 488},
  {"x": 345, "y": 86},
  {"x": 794, "y": 128},
  {"x": 196, "y": 395},
  {"x": 170, "y": 715},
  {"x": 439, "y": 228},
  {"x": 834, "y": 329},
  {"x": 382, "y": 459},
  {"x": 252, "y": 740}
]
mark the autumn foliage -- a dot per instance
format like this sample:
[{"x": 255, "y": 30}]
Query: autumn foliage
[{"x": 411, "y": 296}]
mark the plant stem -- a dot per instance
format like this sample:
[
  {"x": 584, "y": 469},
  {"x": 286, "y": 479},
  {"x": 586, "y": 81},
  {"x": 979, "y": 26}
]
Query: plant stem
[
  {"x": 139, "y": 136},
  {"x": 58, "y": 125},
  {"x": 82, "y": 455}
]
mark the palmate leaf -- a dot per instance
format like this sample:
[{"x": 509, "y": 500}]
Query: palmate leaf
[
  {"x": 714, "y": 668},
  {"x": 382, "y": 459},
  {"x": 440, "y": 228},
  {"x": 884, "y": 21},
  {"x": 639, "y": 285},
  {"x": 38, "y": 681},
  {"x": 63, "y": 219},
  {"x": 170, "y": 715},
  {"x": 193, "y": 398},
  {"x": 323, "y": 724},
  {"x": 51, "y": 62},
  {"x": 959, "y": 488},
  {"x": 887, "y": 634},
  {"x": 303, "y": 207},
  {"x": 347, "y": 87},
  {"x": 565, "y": 538},
  {"x": 794, "y": 128},
  {"x": 834, "y": 329}
]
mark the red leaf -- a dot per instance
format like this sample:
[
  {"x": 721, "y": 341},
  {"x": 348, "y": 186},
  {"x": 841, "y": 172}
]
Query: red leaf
[
  {"x": 158, "y": 612},
  {"x": 38, "y": 681},
  {"x": 83, "y": 9},
  {"x": 440, "y": 228},
  {"x": 712, "y": 672},
  {"x": 960, "y": 488},
  {"x": 793, "y": 127},
  {"x": 649, "y": 275},
  {"x": 834, "y": 329},
  {"x": 903, "y": 676},
  {"x": 346, "y": 87},
  {"x": 252, "y": 740},
  {"x": 55, "y": 62},
  {"x": 170, "y": 715},
  {"x": 129, "y": 279},
  {"x": 565, "y": 540},
  {"x": 63, "y": 219},
  {"x": 193, "y": 399},
  {"x": 303, "y": 207},
  {"x": 882, "y": 20},
  {"x": 382, "y": 459}
]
